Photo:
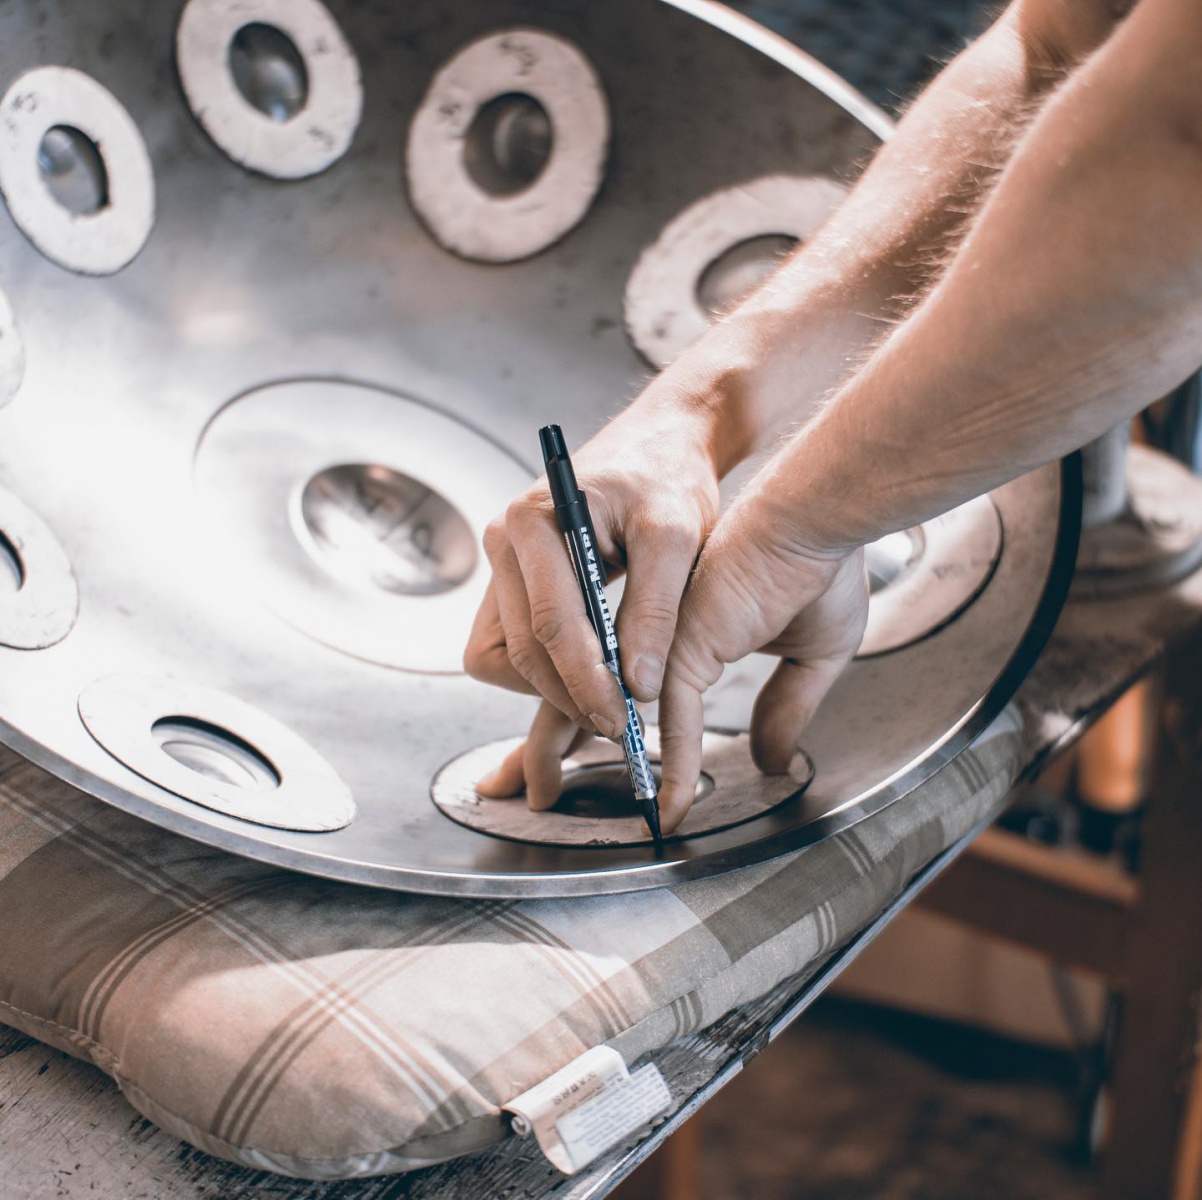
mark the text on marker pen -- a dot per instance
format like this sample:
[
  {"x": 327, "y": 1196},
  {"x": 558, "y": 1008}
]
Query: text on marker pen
[{"x": 576, "y": 524}]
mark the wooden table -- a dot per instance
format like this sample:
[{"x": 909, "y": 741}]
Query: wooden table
[
  {"x": 1142, "y": 934},
  {"x": 66, "y": 1132}
]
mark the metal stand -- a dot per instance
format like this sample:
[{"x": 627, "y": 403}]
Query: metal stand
[{"x": 1142, "y": 519}]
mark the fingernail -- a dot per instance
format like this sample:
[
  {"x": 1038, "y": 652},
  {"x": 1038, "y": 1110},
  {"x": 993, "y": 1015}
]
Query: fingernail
[
  {"x": 649, "y": 674},
  {"x": 604, "y": 726}
]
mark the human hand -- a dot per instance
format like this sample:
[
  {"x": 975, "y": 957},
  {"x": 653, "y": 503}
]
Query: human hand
[
  {"x": 652, "y": 488},
  {"x": 758, "y": 586}
]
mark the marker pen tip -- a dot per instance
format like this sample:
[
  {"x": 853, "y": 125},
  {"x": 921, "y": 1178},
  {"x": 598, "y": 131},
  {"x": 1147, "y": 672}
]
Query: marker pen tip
[{"x": 651, "y": 816}]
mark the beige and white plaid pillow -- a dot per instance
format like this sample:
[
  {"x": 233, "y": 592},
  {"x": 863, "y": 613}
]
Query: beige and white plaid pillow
[{"x": 326, "y": 1030}]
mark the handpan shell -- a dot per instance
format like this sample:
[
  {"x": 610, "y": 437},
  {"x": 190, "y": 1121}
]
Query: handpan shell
[{"x": 319, "y": 275}]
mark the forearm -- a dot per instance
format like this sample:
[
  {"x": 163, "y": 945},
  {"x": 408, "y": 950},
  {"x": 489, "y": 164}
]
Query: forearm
[
  {"x": 1074, "y": 302},
  {"x": 791, "y": 343}
]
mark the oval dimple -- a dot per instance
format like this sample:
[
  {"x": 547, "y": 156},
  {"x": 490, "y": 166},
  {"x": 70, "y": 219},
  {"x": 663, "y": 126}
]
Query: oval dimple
[
  {"x": 215, "y": 753},
  {"x": 715, "y": 251},
  {"x": 269, "y": 71},
  {"x": 72, "y": 168},
  {"x": 922, "y": 579},
  {"x": 596, "y": 805},
  {"x": 737, "y": 272},
  {"x": 210, "y": 748},
  {"x": 508, "y": 144},
  {"x": 12, "y": 570},
  {"x": 377, "y": 527},
  {"x": 39, "y": 596}
]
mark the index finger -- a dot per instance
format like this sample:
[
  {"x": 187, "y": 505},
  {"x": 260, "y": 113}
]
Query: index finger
[
  {"x": 681, "y": 725},
  {"x": 558, "y": 619},
  {"x": 486, "y": 656}
]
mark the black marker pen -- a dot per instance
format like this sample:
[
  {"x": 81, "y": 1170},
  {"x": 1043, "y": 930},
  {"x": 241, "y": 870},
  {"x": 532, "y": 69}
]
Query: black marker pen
[{"x": 571, "y": 511}]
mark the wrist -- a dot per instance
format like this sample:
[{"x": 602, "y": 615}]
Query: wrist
[
  {"x": 821, "y": 495},
  {"x": 707, "y": 398},
  {"x": 766, "y": 365}
]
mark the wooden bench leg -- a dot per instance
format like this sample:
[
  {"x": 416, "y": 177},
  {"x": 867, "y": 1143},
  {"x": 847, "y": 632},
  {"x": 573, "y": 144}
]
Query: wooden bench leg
[
  {"x": 1148, "y": 1150},
  {"x": 673, "y": 1172}
]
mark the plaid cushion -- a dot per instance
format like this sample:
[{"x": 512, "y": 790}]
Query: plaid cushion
[{"x": 326, "y": 1030}]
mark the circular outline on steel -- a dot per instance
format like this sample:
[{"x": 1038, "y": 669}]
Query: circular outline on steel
[
  {"x": 12, "y": 353},
  {"x": 120, "y": 711},
  {"x": 259, "y": 451},
  {"x": 312, "y": 139},
  {"x": 662, "y": 312},
  {"x": 960, "y": 553},
  {"x": 461, "y": 215},
  {"x": 98, "y": 243},
  {"x": 740, "y": 793},
  {"x": 44, "y": 609}
]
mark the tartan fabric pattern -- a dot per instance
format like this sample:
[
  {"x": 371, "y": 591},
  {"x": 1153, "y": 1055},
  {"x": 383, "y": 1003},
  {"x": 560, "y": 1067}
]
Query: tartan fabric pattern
[{"x": 326, "y": 1030}]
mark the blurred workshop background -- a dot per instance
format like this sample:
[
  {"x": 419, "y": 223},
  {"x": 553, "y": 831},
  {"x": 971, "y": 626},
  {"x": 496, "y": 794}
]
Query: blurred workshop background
[{"x": 886, "y": 48}]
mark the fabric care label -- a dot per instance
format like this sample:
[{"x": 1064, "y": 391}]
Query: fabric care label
[{"x": 588, "y": 1107}]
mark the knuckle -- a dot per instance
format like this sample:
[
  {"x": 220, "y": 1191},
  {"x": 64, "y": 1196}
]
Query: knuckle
[
  {"x": 670, "y": 739},
  {"x": 496, "y": 538},
  {"x": 547, "y": 627},
  {"x": 473, "y": 663},
  {"x": 660, "y": 607},
  {"x": 515, "y": 511},
  {"x": 579, "y": 686},
  {"x": 523, "y": 511},
  {"x": 606, "y": 499},
  {"x": 576, "y": 695},
  {"x": 492, "y": 668},
  {"x": 524, "y": 658},
  {"x": 697, "y": 668},
  {"x": 658, "y": 610},
  {"x": 679, "y": 539},
  {"x": 672, "y": 534}
]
